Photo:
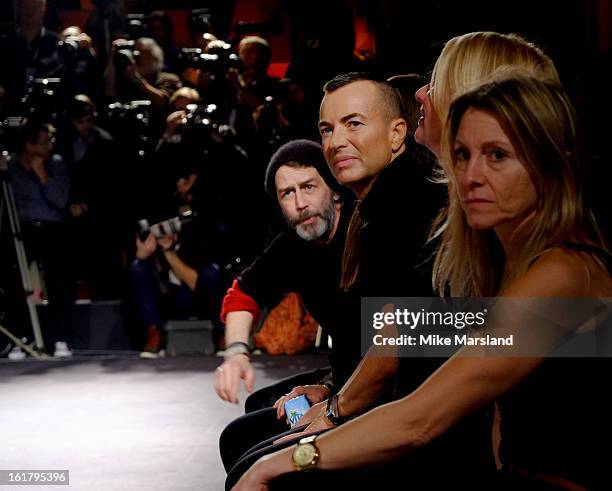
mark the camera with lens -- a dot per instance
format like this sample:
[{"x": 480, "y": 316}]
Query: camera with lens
[
  {"x": 200, "y": 118},
  {"x": 217, "y": 62},
  {"x": 129, "y": 124},
  {"x": 125, "y": 53},
  {"x": 166, "y": 227},
  {"x": 136, "y": 26},
  {"x": 134, "y": 111},
  {"x": 9, "y": 130},
  {"x": 199, "y": 20},
  {"x": 43, "y": 99},
  {"x": 69, "y": 47}
]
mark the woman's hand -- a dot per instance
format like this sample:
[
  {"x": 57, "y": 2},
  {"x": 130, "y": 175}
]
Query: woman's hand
[
  {"x": 252, "y": 480},
  {"x": 314, "y": 393},
  {"x": 264, "y": 470},
  {"x": 318, "y": 424}
]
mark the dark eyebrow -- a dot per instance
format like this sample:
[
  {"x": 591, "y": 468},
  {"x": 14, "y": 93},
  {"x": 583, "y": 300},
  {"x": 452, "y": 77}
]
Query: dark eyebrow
[
  {"x": 344, "y": 119},
  {"x": 299, "y": 184}
]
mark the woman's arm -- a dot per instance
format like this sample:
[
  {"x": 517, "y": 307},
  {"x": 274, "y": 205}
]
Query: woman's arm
[{"x": 459, "y": 387}]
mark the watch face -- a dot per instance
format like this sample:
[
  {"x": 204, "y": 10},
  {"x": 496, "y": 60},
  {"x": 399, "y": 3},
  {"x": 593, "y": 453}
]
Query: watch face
[{"x": 304, "y": 454}]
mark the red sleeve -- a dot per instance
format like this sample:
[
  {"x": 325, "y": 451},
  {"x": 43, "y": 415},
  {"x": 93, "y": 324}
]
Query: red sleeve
[{"x": 235, "y": 299}]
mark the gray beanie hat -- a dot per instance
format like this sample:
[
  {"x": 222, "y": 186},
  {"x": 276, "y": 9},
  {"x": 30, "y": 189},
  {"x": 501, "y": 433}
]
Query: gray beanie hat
[{"x": 305, "y": 152}]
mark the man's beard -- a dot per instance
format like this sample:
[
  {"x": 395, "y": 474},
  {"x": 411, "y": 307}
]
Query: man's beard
[{"x": 321, "y": 227}]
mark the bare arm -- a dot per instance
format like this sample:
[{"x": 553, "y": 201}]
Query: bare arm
[
  {"x": 238, "y": 325},
  {"x": 158, "y": 97},
  {"x": 183, "y": 271},
  {"x": 462, "y": 385}
]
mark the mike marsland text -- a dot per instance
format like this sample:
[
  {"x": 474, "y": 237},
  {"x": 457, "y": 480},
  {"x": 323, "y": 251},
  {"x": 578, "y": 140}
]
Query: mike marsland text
[{"x": 438, "y": 340}]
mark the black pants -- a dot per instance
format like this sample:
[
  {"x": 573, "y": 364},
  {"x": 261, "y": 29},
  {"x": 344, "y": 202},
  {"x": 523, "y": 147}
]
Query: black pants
[
  {"x": 260, "y": 422},
  {"x": 45, "y": 242},
  {"x": 460, "y": 459}
]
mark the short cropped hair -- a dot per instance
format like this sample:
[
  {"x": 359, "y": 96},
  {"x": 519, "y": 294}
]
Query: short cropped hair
[{"x": 389, "y": 95}]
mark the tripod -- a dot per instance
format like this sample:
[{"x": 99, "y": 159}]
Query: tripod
[{"x": 7, "y": 201}]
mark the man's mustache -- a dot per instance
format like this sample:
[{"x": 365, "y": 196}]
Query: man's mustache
[{"x": 305, "y": 216}]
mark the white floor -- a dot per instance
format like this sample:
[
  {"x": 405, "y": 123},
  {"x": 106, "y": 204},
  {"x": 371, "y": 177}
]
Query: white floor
[{"x": 122, "y": 424}]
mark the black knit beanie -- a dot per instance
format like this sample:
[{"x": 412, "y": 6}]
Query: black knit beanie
[{"x": 305, "y": 152}]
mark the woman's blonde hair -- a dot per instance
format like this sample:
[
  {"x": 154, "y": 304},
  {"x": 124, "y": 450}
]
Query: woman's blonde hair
[
  {"x": 540, "y": 122},
  {"x": 470, "y": 59}
]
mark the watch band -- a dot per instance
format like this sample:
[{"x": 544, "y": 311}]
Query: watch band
[
  {"x": 332, "y": 411},
  {"x": 237, "y": 348}
]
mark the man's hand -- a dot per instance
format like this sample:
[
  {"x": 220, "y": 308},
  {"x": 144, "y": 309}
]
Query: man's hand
[
  {"x": 37, "y": 164},
  {"x": 314, "y": 393},
  {"x": 131, "y": 73},
  {"x": 229, "y": 374},
  {"x": 172, "y": 122},
  {"x": 145, "y": 249},
  {"x": 78, "y": 209},
  {"x": 166, "y": 241}
]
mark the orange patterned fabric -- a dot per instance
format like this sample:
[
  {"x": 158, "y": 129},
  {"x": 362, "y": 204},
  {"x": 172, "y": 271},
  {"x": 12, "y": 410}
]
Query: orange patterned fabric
[{"x": 288, "y": 329}]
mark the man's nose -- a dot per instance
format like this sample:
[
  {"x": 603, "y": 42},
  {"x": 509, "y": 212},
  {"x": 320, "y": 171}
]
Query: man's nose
[
  {"x": 300, "y": 201},
  {"x": 337, "y": 140}
]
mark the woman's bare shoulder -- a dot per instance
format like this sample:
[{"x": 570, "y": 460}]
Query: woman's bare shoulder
[{"x": 563, "y": 272}]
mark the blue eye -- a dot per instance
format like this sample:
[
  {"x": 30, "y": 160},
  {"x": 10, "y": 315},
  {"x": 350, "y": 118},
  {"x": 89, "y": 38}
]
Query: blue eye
[
  {"x": 325, "y": 131},
  {"x": 354, "y": 124}
]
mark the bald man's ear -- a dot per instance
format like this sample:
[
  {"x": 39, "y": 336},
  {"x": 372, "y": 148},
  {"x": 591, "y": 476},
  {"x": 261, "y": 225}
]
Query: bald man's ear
[{"x": 399, "y": 129}]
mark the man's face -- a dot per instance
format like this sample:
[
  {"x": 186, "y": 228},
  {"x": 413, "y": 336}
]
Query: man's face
[
  {"x": 306, "y": 201},
  {"x": 43, "y": 146},
  {"x": 250, "y": 55},
  {"x": 84, "y": 125},
  {"x": 356, "y": 134},
  {"x": 31, "y": 12},
  {"x": 146, "y": 63}
]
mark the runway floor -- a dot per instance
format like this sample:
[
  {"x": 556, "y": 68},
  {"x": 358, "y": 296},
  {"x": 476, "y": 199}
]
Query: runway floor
[{"x": 120, "y": 423}]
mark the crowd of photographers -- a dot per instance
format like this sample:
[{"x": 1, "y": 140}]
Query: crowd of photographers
[{"x": 163, "y": 151}]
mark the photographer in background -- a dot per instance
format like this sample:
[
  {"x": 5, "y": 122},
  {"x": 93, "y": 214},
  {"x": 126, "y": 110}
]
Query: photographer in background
[
  {"x": 136, "y": 73},
  {"x": 29, "y": 52},
  {"x": 173, "y": 276},
  {"x": 83, "y": 72},
  {"x": 41, "y": 186},
  {"x": 252, "y": 84},
  {"x": 285, "y": 117},
  {"x": 93, "y": 161},
  {"x": 178, "y": 155}
]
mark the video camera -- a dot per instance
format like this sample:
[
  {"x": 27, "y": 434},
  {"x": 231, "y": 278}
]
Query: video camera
[
  {"x": 9, "y": 129},
  {"x": 137, "y": 26},
  {"x": 134, "y": 111},
  {"x": 217, "y": 63},
  {"x": 167, "y": 227},
  {"x": 199, "y": 20},
  {"x": 43, "y": 99},
  {"x": 200, "y": 117},
  {"x": 125, "y": 52}
]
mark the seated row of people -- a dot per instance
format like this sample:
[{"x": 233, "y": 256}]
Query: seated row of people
[{"x": 506, "y": 218}]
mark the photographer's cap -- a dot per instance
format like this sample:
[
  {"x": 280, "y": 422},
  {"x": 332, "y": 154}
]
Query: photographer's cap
[{"x": 306, "y": 153}]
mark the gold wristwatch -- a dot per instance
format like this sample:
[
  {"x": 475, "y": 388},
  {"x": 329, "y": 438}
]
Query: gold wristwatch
[{"x": 306, "y": 454}]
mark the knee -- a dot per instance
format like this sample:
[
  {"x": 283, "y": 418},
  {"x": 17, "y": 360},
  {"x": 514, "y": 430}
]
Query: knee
[{"x": 140, "y": 269}]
